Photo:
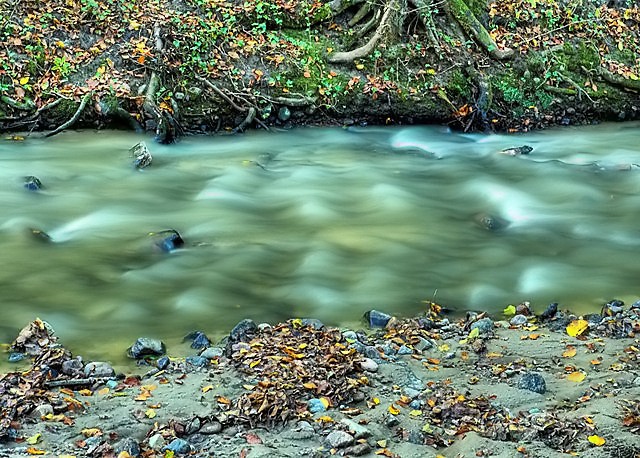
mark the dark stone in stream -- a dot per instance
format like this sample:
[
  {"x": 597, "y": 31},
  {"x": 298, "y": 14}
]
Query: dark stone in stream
[
  {"x": 141, "y": 155},
  {"x": 243, "y": 331},
  {"x": 163, "y": 363},
  {"x": 145, "y": 346},
  {"x": 550, "y": 311},
  {"x": 72, "y": 366},
  {"x": 314, "y": 323},
  {"x": 284, "y": 114},
  {"x": 32, "y": 183},
  {"x": 40, "y": 235},
  {"x": 197, "y": 361},
  {"x": 376, "y": 319},
  {"x": 491, "y": 222},
  {"x": 532, "y": 381},
  {"x": 168, "y": 240},
  {"x": 198, "y": 340}
]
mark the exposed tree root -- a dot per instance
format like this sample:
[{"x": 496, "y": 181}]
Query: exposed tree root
[
  {"x": 74, "y": 118},
  {"x": 459, "y": 11},
  {"x": 424, "y": 9},
  {"x": 21, "y": 106},
  {"x": 365, "y": 50},
  {"x": 616, "y": 80}
]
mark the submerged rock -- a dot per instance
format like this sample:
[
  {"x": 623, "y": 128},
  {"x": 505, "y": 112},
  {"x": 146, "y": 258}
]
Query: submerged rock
[
  {"x": 532, "y": 381},
  {"x": 167, "y": 240},
  {"x": 42, "y": 236},
  {"x": 145, "y": 346},
  {"x": 198, "y": 340},
  {"x": 32, "y": 183},
  {"x": 491, "y": 222}
]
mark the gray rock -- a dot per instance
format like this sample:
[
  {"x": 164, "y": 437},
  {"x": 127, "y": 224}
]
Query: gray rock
[
  {"x": 518, "y": 320},
  {"x": 211, "y": 428},
  {"x": 404, "y": 350},
  {"x": 99, "y": 369},
  {"x": 141, "y": 155},
  {"x": 339, "y": 439},
  {"x": 178, "y": 446},
  {"x": 357, "y": 430},
  {"x": 212, "y": 352},
  {"x": 72, "y": 366},
  {"x": 302, "y": 431},
  {"x": 32, "y": 183},
  {"x": 194, "y": 91},
  {"x": 484, "y": 325},
  {"x": 41, "y": 410},
  {"x": 314, "y": 323},
  {"x": 376, "y": 319},
  {"x": 156, "y": 442},
  {"x": 146, "y": 346},
  {"x": 411, "y": 393},
  {"x": 284, "y": 114},
  {"x": 532, "y": 381},
  {"x": 351, "y": 336},
  {"x": 358, "y": 449},
  {"x": 423, "y": 344},
  {"x": 369, "y": 365}
]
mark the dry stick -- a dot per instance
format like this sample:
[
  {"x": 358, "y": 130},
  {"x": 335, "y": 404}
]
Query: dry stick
[
  {"x": 74, "y": 118},
  {"x": 218, "y": 91},
  {"x": 350, "y": 56},
  {"x": 76, "y": 382}
]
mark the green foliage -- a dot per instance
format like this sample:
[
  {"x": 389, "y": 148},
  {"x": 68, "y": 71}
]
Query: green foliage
[{"x": 61, "y": 66}]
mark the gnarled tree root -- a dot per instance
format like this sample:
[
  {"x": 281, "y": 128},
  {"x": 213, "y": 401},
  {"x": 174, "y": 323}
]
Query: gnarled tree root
[
  {"x": 74, "y": 118},
  {"x": 616, "y": 80}
]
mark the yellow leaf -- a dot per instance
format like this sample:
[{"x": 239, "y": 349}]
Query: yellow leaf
[
  {"x": 150, "y": 413},
  {"x": 359, "y": 66},
  {"x": 35, "y": 451},
  {"x": 393, "y": 410},
  {"x": 415, "y": 413},
  {"x": 595, "y": 362},
  {"x": 325, "y": 419},
  {"x": 85, "y": 392},
  {"x": 24, "y": 80},
  {"x": 33, "y": 440},
  {"x": 329, "y": 50},
  {"x": 124, "y": 454},
  {"x": 382, "y": 443},
  {"x": 577, "y": 327},
  {"x": 325, "y": 402},
  {"x": 376, "y": 401},
  {"x": 67, "y": 456},
  {"x": 597, "y": 440},
  {"x": 475, "y": 332},
  {"x": 576, "y": 376},
  {"x": 570, "y": 352},
  {"x": 103, "y": 391},
  {"x": 253, "y": 364},
  {"x": 248, "y": 387},
  {"x": 510, "y": 310},
  {"x": 207, "y": 388},
  {"x": 310, "y": 385},
  {"x": 91, "y": 432},
  {"x": 444, "y": 347}
]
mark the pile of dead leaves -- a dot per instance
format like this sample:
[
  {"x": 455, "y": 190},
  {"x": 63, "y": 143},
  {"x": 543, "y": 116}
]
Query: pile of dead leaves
[
  {"x": 289, "y": 364},
  {"x": 22, "y": 392}
]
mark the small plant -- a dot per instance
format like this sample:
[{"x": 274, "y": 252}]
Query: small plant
[{"x": 61, "y": 66}]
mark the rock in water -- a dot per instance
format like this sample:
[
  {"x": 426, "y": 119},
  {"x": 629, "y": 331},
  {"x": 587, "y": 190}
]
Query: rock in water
[
  {"x": 168, "y": 240},
  {"x": 141, "y": 156},
  {"x": 376, "y": 319},
  {"x": 99, "y": 369},
  {"x": 550, "y": 311},
  {"x": 517, "y": 150},
  {"x": 532, "y": 381},
  {"x": 491, "y": 222},
  {"x": 32, "y": 183},
  {"x": 145, "y": 346},
  {"x": 198, "y": 340},
  {"x": 243, "y": 331}
]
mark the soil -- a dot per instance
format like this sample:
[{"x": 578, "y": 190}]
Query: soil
[{"x": 461, "y": 397}]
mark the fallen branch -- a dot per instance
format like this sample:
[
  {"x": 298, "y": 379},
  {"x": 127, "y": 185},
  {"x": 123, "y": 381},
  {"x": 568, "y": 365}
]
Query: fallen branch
[
  {"x": 76, "y": 382},
  {"x": 219, "y": 91},
  {"x": 22, "y": 106},
  {"x": 365, "y": 50},
  {"x": 74, "y": 118}
]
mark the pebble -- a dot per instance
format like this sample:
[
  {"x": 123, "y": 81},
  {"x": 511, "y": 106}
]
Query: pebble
[
  {"x": 484, "y": 325},
  {"x": 302, "y": 431},
  {"x": 339, "y": 439},
  {"x": 358, "y": 449},
  {"x": 518, "y": 320},
  {"x": 41, "y": 411},
  {"x": 369, "y": 365},
  {"x": 111, "y": 384},
  {"x": 130, "y": 446},
  {"x": 550, "y": 311},
  {"x": 284, "y": 114},
  {"x": 163, "y": 363},
  {"x": 376, "y": 319},
  {"x": 15, "y": 357},
  {"x": 193, "y": 426},
  {"x": 211, "y": 428},
  {"x": 416, "y": 404},
  {"x": 198, "y": 361},
  {"x": 350, "y": 336},
  {"x": 212, "y": 353},
  {"x": 314, "y": 323},
  {"x": 532, "y": 381},
  {"x": 423, "y": 344},
  {"x": 99, "y": 369},
  {"x": 357, "y": 430},
  {"x": 156, "y": 442},
  {"x": 178, "y": 446},
  {"x": 315, "y": 405},
  {"x": 243, "y": 331},
  {"x": 145, "y": 346}
]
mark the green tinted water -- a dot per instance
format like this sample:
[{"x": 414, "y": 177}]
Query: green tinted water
[{"x": 324, "y": 223}]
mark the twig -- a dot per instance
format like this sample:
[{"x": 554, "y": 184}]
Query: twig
[
  {"x": 218, "y": 91},
  {"x": 76, "y": 382},
  {"x": 74, "y": 118}
]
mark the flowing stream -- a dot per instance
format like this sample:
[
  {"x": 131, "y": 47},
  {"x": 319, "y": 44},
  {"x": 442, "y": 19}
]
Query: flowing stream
[{"x": 323, "y": 223}]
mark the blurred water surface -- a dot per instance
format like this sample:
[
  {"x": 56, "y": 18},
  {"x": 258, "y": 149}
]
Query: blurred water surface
[{"x": 323, "y": 223}]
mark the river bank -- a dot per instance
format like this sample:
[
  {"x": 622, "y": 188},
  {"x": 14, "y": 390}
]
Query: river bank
[
  {"x": 206, "y": 66},
  {"x": 521, "y": 384}
]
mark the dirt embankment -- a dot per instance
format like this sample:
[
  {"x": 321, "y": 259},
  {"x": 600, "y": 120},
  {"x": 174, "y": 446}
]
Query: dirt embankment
[{"x": 205, "y": 65}]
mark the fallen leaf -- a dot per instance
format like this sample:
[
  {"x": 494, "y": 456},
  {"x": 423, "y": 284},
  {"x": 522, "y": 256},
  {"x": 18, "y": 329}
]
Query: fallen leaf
[
  {"x": 570, "y": 352},
  {"x": 577, "y": 327},
  {"x": 150, "y": 413},
  {"x": 597, "y": 440},
  {"x": 576, "y": 376},
  {"x": 253, "y": 439},
  {"x": 393, "y": 410},
  {"x": 207, "y": 388},
  {"x": 33, "y": 440},
  {"x": 35, "y": 451},
  {"x": 91, "y": 432}
]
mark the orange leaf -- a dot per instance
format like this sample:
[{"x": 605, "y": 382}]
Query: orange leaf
[
  {"x": 576, "y": 376},
  {"x": 393, "y": 410},
  {"x": 570, "y": 352},
  {"x": 141, "y": 59},
  {"x": 35, "y": 451},
  {"x": 306, "y": 75}
]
